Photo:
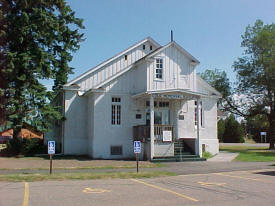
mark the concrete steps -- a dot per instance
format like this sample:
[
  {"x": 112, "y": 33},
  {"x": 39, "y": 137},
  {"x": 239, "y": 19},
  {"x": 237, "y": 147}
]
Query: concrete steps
[{"x": 179, "y": 158}]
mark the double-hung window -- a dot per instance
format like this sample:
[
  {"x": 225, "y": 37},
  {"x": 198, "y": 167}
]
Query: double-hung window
[
  {"x": 116, "y": 111},
  {"x": 159, "y": 68}
]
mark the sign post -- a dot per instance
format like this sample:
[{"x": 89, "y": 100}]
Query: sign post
[
  {"x": 263, "y": 137},
  {"x": 51, "y": 151},
  {"x": 137, "y": 150}
]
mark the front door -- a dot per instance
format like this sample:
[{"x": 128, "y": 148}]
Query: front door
[{"x": 162, "y": 117}]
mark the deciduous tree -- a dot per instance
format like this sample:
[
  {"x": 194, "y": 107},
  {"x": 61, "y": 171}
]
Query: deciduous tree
[{"x": 256, "y": 75}]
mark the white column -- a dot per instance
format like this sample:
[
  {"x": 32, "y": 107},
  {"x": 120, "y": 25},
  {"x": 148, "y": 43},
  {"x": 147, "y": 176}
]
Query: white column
[
  {"x": 152, "y": 124},
  {"x": 198, "y": 144}
]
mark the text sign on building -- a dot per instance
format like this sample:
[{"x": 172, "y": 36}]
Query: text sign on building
[
  {"x": 51, "y": 147},
  {"x": 167, "y": 136},
  {"x": 137, "y": 147},
  {"x": 174, "y": 96}
]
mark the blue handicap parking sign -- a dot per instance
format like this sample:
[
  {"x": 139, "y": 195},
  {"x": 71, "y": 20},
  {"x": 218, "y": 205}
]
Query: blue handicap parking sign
[
  {"x": 51, "y": 147},
  {"x": 137, "y": 147}
]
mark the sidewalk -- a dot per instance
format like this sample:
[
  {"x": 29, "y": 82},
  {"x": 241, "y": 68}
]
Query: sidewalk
[{"x": 223, "y": 156}]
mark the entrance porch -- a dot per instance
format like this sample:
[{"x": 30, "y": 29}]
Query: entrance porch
[{"x": 160, "y": 133}]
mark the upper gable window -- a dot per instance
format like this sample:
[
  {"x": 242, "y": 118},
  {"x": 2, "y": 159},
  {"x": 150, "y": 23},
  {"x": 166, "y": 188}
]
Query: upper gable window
[
  {"x": 151, "y": 47},
  {"x": 159, "y": 68},
  {"x": 143, "y": 46}
]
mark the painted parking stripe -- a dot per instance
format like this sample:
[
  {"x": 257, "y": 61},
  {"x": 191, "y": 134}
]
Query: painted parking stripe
[
  {"x": 166, "y": 190},
  {"x": 26, "y": 195},
  {"x": 246, "y": 178}
]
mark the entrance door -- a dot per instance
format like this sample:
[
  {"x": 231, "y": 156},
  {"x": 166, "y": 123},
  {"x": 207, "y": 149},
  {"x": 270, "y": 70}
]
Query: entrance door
[{"x": 162, "y": 117}]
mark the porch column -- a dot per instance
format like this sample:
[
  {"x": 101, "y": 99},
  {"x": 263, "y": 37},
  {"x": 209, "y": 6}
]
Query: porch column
[
  {"x": 198, "y": 145},
  {"x": 152, "y": 125}
]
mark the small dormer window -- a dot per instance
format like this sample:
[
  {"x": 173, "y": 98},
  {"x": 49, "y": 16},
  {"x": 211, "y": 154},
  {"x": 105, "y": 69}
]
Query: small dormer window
[
  {"x": 125, "y": 57},
  {"x": 143, "y": 46},
  {"x": 159, "y": 68},
  {"x": 151, "y": 47}
]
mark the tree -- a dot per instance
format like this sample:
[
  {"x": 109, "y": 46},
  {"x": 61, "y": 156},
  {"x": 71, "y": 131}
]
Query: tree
[
  {"x": 257, "y": 124},
  {"x": 37, "y": 41},
  {"x": 233, "y": 131},
  {"x": 218, "y": 80},
  {"x": 221, "y": 128},
  {"x": 256, "y": 75}
]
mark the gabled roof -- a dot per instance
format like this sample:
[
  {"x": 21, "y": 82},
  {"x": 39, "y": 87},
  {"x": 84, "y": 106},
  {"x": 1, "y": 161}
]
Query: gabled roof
[
  {"x": 153, "y": 53},
  {"x": 182, "y": 50},
  {"x": 111, "y": 59},
  {"x": 208, "y": 86}
]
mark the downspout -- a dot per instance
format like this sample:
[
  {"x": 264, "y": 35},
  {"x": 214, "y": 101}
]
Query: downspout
[
  {"x": 63, "y": 122},
  {"x": 198, "y": 145}
]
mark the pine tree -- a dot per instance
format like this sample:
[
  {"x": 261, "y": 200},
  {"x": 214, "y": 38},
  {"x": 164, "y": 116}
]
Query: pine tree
[{"x": 37, "y": 41}]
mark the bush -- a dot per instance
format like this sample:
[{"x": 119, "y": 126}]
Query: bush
[
  {"x": 33, "y": 146},
  {"x": 207, "y": 155},
  {"x": 27, "y": 147}
]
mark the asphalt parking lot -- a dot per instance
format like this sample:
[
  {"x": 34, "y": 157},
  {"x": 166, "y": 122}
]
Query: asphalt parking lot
[{"x": 224, "y": 188}]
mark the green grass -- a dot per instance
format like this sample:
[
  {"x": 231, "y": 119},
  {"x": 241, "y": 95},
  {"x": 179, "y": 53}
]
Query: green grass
[
  {"x": 207, "y": 155},
  {"x": 251, "y": 154},
  {"x": 82, "y": 176}
]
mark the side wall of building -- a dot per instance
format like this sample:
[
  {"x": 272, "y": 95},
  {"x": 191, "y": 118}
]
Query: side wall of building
[
  {"x": 208, "y": 131},
  {"x": 75, "y": 125},
  {"x": 105, "y": 134}
]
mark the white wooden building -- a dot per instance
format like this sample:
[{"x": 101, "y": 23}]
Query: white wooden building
[{"x": 148, "y": 90}]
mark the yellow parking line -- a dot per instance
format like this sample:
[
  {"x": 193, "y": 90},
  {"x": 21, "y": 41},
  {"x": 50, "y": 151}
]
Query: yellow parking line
[
  {"x": 26, "y": 195},
  {"x": 246, "y": 178},
  {"x": 166, "y": 190}
]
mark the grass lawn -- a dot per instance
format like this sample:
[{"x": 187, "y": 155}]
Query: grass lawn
[
  {"x": 82, "y": 176},
  {"x": 251, "y": 154},
  {"x": 70, "y": 163}
]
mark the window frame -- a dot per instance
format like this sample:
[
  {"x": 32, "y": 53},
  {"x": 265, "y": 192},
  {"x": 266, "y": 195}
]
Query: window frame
[
  {"x": 161, "y": 68},
  {"x": 116, "y": 111}
]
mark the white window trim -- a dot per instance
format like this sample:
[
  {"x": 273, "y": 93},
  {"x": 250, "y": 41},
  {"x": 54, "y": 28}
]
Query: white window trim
[
  {"x": 115, "y": 104},
  {"x": 155, "y": 68}
]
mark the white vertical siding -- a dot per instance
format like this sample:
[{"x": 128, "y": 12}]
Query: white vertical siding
[
  {"x": 114, "y": 67},
  {"x": 177, "y": 71}
]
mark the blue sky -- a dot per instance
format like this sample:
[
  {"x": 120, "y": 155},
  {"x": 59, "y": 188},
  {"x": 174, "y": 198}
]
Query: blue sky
[{"x": 209, "y": 29}]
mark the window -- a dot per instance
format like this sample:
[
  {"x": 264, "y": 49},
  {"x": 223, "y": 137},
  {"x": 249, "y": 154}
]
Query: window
[
  {"x": 116, "y": 150},
  {"x": 151, "y": 47},
  {"x": 143, "y": 46},
  {"x": 163, "y": 104},
  {"x": 125, "y": 57},
  {"x": 138, "y": 116},
  {"x": 159, "y": 68},
  {"x": 116, "y": 111}
]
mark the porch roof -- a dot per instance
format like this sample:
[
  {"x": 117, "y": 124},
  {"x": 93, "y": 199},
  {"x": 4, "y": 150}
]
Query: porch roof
[{"x": 173, "y": 94}]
